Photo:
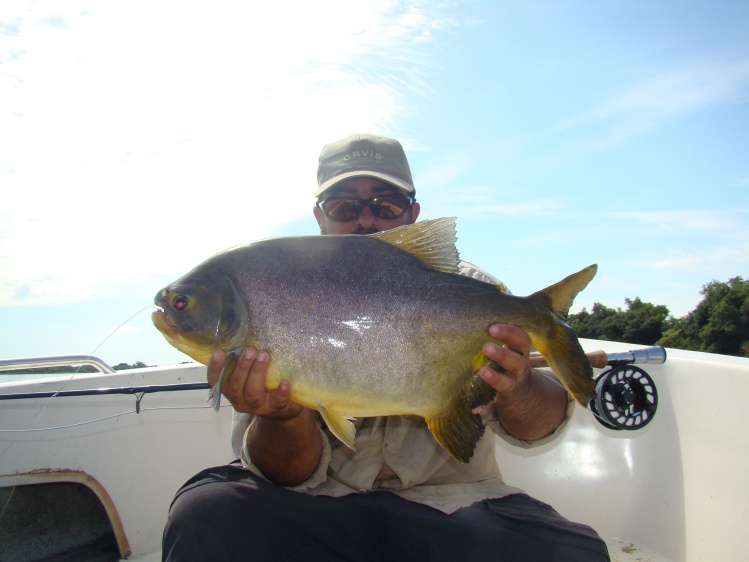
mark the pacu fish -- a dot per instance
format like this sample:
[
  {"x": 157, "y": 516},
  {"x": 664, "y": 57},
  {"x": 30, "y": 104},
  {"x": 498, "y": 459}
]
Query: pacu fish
[{"x": 369, "y": 325}]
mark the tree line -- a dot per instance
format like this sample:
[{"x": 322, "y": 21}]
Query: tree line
[{"x": 718, "y": 324}]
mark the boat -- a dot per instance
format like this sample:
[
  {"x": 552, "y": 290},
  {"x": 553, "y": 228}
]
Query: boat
[{"x": 90, "y": 463}]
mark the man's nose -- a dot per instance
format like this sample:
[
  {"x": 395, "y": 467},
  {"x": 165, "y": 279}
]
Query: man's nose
[{"x": 366, "y": 218}]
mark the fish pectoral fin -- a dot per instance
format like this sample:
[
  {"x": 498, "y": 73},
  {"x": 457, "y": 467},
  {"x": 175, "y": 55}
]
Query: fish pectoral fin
[
  {"x": 457, "y": 428},
  {"x": 214, "y": 396},
  {"x": 339, "y": 425}
]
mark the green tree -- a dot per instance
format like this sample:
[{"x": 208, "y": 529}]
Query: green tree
[
  {"x": 719, "y": 324},
  {"x": 642, "y": 322},
  {"x": 602, "y": 323},
  {"x": 125, "y": 366}
]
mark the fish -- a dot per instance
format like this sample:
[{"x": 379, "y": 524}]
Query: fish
[{"x": 370, "y": 325}]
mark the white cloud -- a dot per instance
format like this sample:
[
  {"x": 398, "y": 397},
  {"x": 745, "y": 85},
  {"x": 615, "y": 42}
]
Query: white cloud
[
  {"x": 672, "y": 94},
  {"x": 539, "y": 207},
  {"x": 719, "y": 261},
  {"x": 739, "y": 181},
  {"x": 138, "y": 138},
  {"x": 689, "y": 219},
  {"x": 447, "y": 194},
  {"x": 703, "y": 244}
]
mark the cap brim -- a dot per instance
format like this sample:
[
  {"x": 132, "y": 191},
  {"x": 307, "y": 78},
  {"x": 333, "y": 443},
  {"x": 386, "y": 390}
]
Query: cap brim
[{"x": 397, "y": 182}]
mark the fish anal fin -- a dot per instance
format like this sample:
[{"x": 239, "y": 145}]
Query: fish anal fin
[
  {"x": 339, "y": 425},
  {"x": 432, "y": 241},
  {"x": 457, "y": 428}
]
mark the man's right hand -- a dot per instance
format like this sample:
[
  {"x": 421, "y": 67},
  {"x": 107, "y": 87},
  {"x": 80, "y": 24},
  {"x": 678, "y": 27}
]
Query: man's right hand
[
  {"x": 284, "y": 442},
  {"x": 245, "y": 388}
]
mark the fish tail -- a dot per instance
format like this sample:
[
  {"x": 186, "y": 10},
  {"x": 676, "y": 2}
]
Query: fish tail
[
  {"x": 558, "y": 342},
  {"x": 457, "y": 429},
  {"x": 214, "y": 396}
]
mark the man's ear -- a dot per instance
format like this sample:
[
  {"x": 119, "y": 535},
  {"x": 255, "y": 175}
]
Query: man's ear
[
  {"x": 415, "y": 210},
  {"x": 318, "y": 216}
]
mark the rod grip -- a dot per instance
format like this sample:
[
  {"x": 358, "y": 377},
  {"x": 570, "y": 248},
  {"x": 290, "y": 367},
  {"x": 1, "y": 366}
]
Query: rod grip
[{"x": 598, "y": 359}]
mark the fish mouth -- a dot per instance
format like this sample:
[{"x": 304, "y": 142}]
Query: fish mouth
[
  {"x": 168, "y": 320},
  {"x": 201, "y": 352},
  {"x": 160, "y": 318}
]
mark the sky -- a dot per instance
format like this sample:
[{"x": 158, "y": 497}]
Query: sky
[{"x": 139, "y": 138}]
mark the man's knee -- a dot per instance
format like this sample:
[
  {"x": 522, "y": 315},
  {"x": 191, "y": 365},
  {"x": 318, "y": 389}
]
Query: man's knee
[{"x": 204, "y": 512}]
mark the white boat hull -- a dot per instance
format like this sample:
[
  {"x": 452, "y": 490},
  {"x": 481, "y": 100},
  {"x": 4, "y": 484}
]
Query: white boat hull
[{"x": 672, "y": 491}]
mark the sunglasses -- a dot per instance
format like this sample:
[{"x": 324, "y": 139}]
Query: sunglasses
[{"x": 343, "y": 209}]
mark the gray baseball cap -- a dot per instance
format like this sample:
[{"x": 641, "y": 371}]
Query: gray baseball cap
[{"x": 363, "y": 155}]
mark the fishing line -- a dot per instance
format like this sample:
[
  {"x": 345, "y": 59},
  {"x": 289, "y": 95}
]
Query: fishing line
[
  {"x": 88, "y": 422},
  {"x": 38, "y": 414},
  {"x": 7, "y": 502}
]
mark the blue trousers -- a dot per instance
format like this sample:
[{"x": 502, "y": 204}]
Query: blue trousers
[{"x": 228, "y": 514}]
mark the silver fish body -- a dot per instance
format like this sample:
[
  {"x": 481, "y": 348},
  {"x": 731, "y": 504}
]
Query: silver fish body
[{"x": 369, "y": 325}]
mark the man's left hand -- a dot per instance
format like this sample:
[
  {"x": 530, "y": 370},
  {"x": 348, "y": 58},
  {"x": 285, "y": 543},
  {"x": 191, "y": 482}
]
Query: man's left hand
[
  {"x": 513, "y": 360},
  {"x": 529, "y": 405}
]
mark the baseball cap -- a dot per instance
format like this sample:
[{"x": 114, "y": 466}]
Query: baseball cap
[{"x": 363, "y": 155}]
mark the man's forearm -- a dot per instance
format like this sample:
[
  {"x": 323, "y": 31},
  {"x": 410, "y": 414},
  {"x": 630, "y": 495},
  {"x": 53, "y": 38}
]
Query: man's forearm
[
  {"x": 286, "y": 451},
  {"x": 536, "y": 410}
]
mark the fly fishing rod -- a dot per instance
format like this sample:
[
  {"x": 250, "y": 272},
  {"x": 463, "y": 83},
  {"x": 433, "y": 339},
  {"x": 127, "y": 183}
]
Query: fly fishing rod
[
  {"x": 68, "y": 360},
  {"x": 138, "y": 391},
  {"x": 147, "y": 389},
  {"x": 625, "y": 395}
]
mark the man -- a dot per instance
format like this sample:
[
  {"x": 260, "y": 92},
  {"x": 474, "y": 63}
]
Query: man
[{"x": 299, "y": 494}]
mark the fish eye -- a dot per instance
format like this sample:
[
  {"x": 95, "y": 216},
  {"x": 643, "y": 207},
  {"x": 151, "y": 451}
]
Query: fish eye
[{"x": 180, "y": 303}]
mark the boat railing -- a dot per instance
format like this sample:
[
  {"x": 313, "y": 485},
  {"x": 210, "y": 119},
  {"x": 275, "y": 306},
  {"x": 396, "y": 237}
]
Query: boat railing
[
  {"x": 67, "y": 360},
  {"x": 55, "y": 361}
]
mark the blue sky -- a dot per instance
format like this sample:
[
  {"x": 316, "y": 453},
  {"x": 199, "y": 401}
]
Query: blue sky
[{"x": 139, "y": 138}]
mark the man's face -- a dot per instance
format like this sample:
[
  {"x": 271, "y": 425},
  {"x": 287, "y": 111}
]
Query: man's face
[{"x": 366, "y": 222}]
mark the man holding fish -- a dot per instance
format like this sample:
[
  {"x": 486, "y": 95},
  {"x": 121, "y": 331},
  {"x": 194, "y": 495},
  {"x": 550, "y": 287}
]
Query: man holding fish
[{"x": 312, "y": 485}]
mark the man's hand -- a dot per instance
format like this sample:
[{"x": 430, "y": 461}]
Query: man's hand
[
  {"x": 528, "y": 404},
  {"x": 284, "y": 442},
  {"x": 245, "y": 386},
  {"x": 513, "y": 360}
]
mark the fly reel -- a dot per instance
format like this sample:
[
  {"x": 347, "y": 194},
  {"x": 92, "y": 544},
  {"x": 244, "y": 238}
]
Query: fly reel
[{"x": 625, "y": 395}]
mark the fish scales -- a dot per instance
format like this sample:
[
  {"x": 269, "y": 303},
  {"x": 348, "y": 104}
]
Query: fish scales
[
  {"x": 369, "y": 325},
  {"x": 381, "y": 333}
]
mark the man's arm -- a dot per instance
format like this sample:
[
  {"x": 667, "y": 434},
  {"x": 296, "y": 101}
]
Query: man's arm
[
  {"x": 284, "y": 441},
  {"x": 528, "y": 404}
]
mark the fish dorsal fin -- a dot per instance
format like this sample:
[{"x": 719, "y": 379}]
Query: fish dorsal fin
[{"x": 432, "y": 241}]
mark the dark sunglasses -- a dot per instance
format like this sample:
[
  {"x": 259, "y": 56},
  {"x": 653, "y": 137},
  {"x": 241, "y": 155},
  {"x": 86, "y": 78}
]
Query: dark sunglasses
[{"x": 343, "y": 209}]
